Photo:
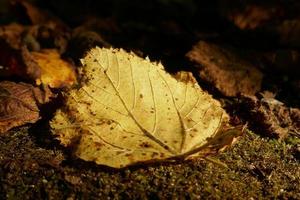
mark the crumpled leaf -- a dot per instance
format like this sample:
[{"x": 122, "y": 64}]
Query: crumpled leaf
[
  {"x": 129, "y": 110},
  {"x": 16, "y": 42},
  {"x": 48, "y": 68},
  {"x": 229, "y": 73},
  {"x": 269, "y": 116},
  {"x": 19, "y": 104}
]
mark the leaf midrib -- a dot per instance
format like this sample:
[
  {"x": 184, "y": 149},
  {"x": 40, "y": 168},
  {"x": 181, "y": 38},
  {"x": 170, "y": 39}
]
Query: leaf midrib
[{"x": 148, "y": 134}]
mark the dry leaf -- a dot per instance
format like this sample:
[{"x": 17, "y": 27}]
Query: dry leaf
[
  {"x": 12, "y": 34},
  {"x": 54, "y": 71},
  {"x": 129, "y": 110},
  {"x": 270, "y": 117},
  {"x": 230, "y": 74},
  {"x": 19, "y": 104}
]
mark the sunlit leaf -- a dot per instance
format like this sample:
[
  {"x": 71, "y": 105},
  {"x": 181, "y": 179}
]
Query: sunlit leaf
[{"x": 129, "y": 110}]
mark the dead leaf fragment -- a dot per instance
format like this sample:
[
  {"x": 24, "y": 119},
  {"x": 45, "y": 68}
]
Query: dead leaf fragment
[
  {"x": 230, "y": 74},
  {"x": 53, "y": 70},
  {"x": 129, "y": 110},
  {"x": 270, "y": 116},
  {"x": 19, "y": 104}
]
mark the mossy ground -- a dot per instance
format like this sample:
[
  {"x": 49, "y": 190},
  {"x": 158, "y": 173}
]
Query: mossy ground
[{"x": 32, "y": 166}]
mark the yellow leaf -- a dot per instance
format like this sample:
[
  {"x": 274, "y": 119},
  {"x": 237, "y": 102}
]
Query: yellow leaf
[
  {"x": 129, "y": 110},
  {"x": 55, "y": 72}
]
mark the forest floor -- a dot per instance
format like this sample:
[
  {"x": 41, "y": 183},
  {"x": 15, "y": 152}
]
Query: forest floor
[
  {"x": 264, "y": 163},
  {"x": 32, "y": 167}
]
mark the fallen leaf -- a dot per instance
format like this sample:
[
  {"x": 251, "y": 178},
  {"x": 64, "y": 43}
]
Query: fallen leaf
[
  {"x": 36, "y": 37},
  {"x": 48, "y": 68},
  {"x": 129, "y": 110},
  {"x": 229, "y": 73},
  {"x": 269, "y": 116},
  {"x": 12, "y": 34},
  {"x": 19, "y": 104}
]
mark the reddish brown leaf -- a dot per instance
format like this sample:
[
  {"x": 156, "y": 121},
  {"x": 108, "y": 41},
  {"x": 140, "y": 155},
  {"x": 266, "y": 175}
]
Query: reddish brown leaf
[
  {"x": 11, "y": 34},
  {"x": 229, "y": 73},
  {"x": 19, "y": 104}
]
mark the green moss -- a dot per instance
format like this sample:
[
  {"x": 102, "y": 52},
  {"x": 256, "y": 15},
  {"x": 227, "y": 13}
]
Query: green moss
[{"x": 256, "y": 167}]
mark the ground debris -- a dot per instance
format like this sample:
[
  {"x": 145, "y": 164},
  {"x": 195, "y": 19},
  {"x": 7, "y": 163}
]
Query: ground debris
[
  {"x": 270, "y": 116},
  {"x": 223, "y": 68}
]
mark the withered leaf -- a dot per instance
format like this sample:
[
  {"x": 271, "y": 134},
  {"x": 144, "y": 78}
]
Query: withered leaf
[
  {"x": 52, "y": 69},
  {"x": 12, "y": 34},
  {"x": 270, "y": 116},
  {"x": 229, "y": 73},
  {"x": 129, "y": 110},
  {"x": 19, "y": 104}
]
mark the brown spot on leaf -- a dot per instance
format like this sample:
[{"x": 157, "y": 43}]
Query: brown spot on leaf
[
  {"x": 98, "y": 144},
  {"x": 145, "y": 145}
]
